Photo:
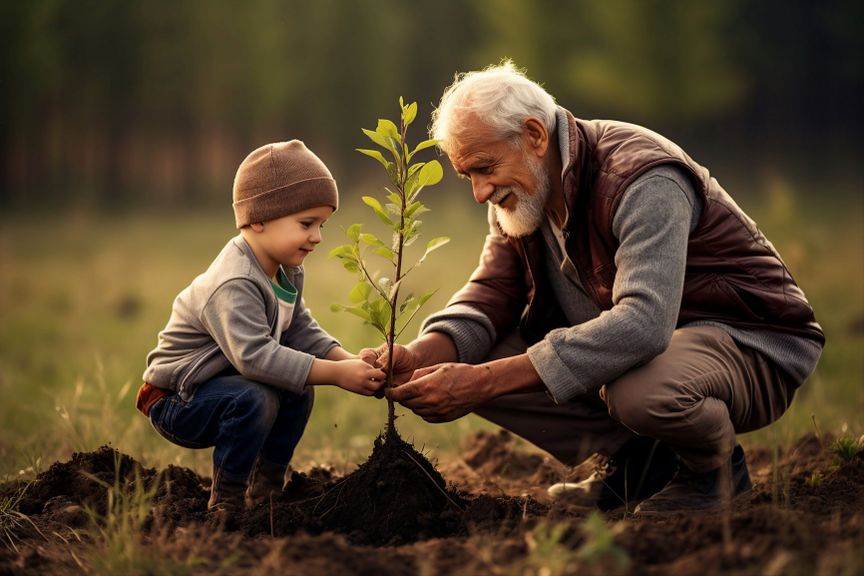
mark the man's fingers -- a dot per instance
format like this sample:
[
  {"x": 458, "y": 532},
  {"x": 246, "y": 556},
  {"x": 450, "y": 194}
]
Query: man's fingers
[
  {"x": 407, "y": 395},
  {"x": 421, "y": 372},
  {"x": 368, "y": 355},
  {"x": 402, "y": 393}
]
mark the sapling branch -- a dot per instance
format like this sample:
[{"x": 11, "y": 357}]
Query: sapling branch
[{"x": 400, "y": 215}]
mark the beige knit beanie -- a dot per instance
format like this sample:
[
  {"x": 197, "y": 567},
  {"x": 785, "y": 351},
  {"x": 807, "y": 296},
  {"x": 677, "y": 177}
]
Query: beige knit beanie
[{"x": 280, "y": 179}]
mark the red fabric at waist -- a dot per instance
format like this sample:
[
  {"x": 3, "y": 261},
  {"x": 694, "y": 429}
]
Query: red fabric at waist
[{"x": 148, "y": 395}]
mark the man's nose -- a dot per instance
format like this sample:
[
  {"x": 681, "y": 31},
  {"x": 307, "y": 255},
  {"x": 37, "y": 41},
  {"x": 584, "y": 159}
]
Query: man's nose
[{"x": 482, "y": 189}]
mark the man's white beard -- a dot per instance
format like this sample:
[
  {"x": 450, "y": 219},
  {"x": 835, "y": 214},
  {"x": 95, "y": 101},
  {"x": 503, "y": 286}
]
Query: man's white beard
[{"x": 528, "y": 214}]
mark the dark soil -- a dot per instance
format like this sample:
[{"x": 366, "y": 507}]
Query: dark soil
[
  {"x": 396, "y": 515},
  {"x": 395, "y": 497}
]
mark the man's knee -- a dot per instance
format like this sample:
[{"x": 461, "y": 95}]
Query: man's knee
[{"x": 644, "y": 398}]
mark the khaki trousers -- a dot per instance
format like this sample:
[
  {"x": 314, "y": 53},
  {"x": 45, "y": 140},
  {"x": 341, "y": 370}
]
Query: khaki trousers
[{"x": 695, "y": 396}]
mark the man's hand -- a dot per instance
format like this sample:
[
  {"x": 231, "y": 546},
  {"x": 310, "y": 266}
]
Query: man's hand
[
  {"x": 445, "y": 392},
  {"x": 405, "y": 362}
]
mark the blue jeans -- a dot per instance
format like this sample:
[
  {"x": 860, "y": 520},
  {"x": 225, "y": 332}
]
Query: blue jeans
[{"x": 241, "y": 418}]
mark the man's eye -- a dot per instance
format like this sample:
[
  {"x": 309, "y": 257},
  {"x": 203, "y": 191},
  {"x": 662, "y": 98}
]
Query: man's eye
[{"x": 485, "y": 170}]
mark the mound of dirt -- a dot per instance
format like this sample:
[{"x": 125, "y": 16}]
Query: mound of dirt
[
  {"x": 395, "y": 497},
  {"x": 395, "y": 515},
  {"x": 84, "y": 480}
]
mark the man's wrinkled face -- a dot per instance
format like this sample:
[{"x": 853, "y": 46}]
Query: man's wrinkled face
[{"x": 506, "y": 174}]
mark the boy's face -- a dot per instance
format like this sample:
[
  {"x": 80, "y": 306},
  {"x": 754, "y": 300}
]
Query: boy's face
[{"x": 289, "y": 239}]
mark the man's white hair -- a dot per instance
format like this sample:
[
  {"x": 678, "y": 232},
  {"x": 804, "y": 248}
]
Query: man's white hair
[{"x": 501, "y": 96}]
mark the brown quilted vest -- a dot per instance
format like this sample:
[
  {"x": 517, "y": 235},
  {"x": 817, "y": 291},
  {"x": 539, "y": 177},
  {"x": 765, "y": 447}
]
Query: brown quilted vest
[{"x": 733, "y": 274}]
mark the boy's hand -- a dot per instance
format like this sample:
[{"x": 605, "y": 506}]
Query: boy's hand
[{"x": 359, "y": 377}]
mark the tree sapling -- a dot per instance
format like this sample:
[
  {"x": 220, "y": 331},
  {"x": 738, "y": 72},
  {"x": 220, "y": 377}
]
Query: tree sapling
[{"x": 377, "y": 298}]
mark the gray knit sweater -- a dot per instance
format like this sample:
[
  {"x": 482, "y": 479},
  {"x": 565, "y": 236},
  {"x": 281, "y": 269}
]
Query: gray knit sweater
[{"x": 228, "y": 317}]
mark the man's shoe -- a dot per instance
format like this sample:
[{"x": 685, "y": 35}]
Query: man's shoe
[
  {"x": 641, "y": 468},
  {"x": 690, "y": 491}
]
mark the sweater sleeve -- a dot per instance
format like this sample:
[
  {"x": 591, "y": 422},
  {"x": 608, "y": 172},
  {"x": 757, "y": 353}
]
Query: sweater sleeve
[
  {"x": 652, "y": 225},
  {"x": 237, "y": 321}
]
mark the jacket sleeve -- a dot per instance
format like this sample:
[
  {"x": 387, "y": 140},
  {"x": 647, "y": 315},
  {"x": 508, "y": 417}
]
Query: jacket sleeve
[
  {"x": 237, "y": 321},
  {"x": 489, "y": 305}
]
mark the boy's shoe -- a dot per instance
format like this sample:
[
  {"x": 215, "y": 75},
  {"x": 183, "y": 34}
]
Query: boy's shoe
[
  {"x": 691, "y": 491},
  {"x": 641, "y": 468},
  {"x": 226, "y": 503},
  {"x": 266, "y": 482}
]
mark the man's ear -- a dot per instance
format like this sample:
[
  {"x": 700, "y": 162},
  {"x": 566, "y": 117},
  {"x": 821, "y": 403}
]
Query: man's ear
[
  {"x": 536, "y": 136},
  {"x": 257, "y": 227}
]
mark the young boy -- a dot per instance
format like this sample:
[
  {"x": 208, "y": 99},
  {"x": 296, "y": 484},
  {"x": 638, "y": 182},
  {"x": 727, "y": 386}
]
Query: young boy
[{"x": 236, "y": 365}]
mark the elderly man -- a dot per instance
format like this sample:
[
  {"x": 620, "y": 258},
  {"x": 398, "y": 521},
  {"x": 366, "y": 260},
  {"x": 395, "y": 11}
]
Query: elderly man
[{"x": 624, "y": 305}]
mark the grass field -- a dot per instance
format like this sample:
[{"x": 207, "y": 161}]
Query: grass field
[{"x": 83, "y": 296}]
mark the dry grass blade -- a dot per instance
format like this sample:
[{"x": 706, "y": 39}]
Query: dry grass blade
[{"x": 12, "y": 520}]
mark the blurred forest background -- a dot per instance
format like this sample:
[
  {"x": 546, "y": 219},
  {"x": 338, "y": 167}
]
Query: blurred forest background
[
  {"x": 122, "y": 124},
  {"x": 111, "y": 104}
]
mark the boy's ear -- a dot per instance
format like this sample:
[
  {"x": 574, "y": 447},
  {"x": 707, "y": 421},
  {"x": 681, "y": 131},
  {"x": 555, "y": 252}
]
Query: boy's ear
[{"x": 257, "y": 226}]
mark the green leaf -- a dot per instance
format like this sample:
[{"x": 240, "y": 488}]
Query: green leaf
[
  {"x": 423, "y": 145},
  {"x": 414, "y": 168},
  {"x": 393, "y": 197},
  {"x": 360, "y": 292},
  {"x": 409, "y": 113},
  {"x": 377, "y": 156},
  {"x": 353, "y": 232},
  {"x": 351, "y": 265},
  {"x": 387, "y": 128},
  {"x": 434, "y": 244},
  {"x": 408, "y": 301},
  {"x": 379, "y": 210},
  {"x": 411, "y": 231},
  {"x": 379, "y": 311},
  {"x": 383, "y": 141},
  {"x": 412, "y": 307},
  {"x": 415, "y": 209},
  {"x": 386, "y": 253},
  {"x": 371, "y": 239},
  {"x": 341, "y": 251},
  {"x": 426, "y": 296},
  {"x": 356, "y": 310},
  {"x": 431, "y": 173}
]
